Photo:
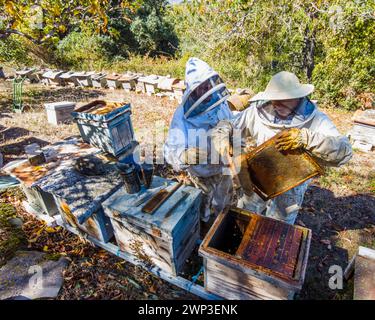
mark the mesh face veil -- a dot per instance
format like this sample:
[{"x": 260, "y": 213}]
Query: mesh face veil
[{"x": 205, "y": 97}]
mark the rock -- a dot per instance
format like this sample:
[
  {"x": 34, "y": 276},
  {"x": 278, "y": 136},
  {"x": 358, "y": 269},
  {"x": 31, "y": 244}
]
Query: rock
[{"x": 29, "y": 275}]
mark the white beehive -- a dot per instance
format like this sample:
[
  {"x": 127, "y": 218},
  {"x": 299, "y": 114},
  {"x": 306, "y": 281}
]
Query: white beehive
[{"x": 59, "y": 112}]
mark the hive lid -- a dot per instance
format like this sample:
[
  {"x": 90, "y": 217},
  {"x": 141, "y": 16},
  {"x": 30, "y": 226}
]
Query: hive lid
[
  {"x": 128, "y": 77},
  {"x": 365, "y": 117},
  {"x": 270, "y": 172},
  {"x": 265, "y": 246},
  {"x": 122, "y": 206},
  {"x": 167, "y": 83},
  {"x": 113, "y": 76},
  {"x": 60, "y": 105},
  {"x": 81, "y": 112}
]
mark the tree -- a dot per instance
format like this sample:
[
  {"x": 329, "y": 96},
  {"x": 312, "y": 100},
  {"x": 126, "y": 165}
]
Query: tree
[{"x": 51, "y": 20}]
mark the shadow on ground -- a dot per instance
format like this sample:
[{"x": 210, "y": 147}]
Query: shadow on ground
[{"x": 339, "y": 226}]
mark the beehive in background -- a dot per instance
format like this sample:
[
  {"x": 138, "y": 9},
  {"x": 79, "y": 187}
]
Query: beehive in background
[{"x": 59, "y": 112}]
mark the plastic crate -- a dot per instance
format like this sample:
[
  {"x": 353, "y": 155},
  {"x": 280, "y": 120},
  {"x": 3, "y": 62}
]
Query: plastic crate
[{"x": 111, "y": 132}]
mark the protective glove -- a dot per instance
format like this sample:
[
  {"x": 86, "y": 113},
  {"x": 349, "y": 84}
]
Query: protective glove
[
  {"x": 221, "y": 138},
  {"x": 290, "y": 139},
  {"x": 194, "y": 156}
]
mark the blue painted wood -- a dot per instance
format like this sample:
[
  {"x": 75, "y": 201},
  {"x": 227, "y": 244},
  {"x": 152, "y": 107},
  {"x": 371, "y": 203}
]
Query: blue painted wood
[
  {"x": 167, "y": 236},
  {"x": 112, "y": 132},
  {"x": 177, "y": 281}
]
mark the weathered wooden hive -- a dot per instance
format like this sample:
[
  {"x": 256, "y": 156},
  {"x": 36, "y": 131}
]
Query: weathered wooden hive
[
  {"x": 363, "y": 129},
  {"x": 28, "y": 73},
  {"x": 165, "y": 86},
  {"x": 128, "y": 81},
  {"x": 56, "y": 187},
  {"x": 59, "y": 112},
  {"x": 84, "y": 78},
  {"x": 178, "y": 90},
  {"x": 147, "y": 84},
  {"x": 165, "y": 238},
  {"x": 106, "y": 125},
  {"x": 99, "y": 80},
  {"x": 248, "y": 256},
  {"x": 68, "y": 79},
  {"x": 52, "y": 77},
  {"x": 113, "y": 81}
]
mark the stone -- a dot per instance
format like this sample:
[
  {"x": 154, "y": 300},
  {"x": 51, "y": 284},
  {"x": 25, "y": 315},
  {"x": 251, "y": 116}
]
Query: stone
[{"x": 29, "y": 275}]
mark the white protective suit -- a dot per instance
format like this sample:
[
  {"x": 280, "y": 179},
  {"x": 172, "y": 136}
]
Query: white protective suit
[
  {"x": 191, "y": 129},
  {"x": 322, "y": 139}
]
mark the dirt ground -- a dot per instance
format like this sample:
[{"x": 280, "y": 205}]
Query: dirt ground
[{"x": 339, "y": 207}]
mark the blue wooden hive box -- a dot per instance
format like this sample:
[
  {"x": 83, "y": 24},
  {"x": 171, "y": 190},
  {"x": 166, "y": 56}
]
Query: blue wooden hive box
[
  {"x": 111, "y": 132},
  {"x": 165, "y": 238}
]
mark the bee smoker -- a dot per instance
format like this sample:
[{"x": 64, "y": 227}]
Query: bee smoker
[{"x": 129, "y": 174}]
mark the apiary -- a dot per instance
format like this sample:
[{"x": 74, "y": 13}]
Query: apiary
[
  {"x": 270, "y": 172},
  {"x": 128, "y": 81},
  {"x": 58, "y": 112},
  {"x": 113, "y": 81},
  {"x": 248, "y": 256},
  {"x": 106, "y": 125},
  {"x": 165, "y": 237}
]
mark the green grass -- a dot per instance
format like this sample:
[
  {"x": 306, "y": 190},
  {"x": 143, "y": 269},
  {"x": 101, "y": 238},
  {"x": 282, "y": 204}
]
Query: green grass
[{"x": 12, "y": 237}]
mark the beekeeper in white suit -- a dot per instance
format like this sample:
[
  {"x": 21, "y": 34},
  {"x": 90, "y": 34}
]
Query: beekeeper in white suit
[
  {"x": 188, "y": 146},
  {"x": 285, "y": 106}
]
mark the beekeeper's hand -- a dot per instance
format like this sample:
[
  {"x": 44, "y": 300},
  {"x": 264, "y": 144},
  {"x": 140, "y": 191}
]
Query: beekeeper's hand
[
  {"x": 290, "y": 139},
  {"x": 192, "y": 156},
  {"x": 221, "y": 138}
]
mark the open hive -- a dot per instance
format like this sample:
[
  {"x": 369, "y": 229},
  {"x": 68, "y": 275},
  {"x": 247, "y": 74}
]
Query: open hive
[{"x": 248, "y": 256}]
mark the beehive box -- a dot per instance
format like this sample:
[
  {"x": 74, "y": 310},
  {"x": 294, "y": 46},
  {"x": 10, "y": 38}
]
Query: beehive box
[
  {"x": 59, "y": 112},
  {"x": 178, "y": 90},
  {"x": 113, "y": 81},
  {"x": 79, "y": 197},
  {"x": 84, "y": 78},
  {"x": 128, "y": 82},
  {"x": 111, "y": 132},
  {"x": 99, "y": 80},
  {"x": 52, "y": 77},
  {"x": 248, "y": 256},
  {"x": 165, "y": 238}
]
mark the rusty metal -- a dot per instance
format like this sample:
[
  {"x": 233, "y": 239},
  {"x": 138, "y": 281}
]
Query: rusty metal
[
  {"x": 147, "y": 174},
  {"x": 131, "y": 179},
  {"x": 159, "y": 198},
  {"x": 265, "y": 245},
  {"x": 270, "y": 172}
]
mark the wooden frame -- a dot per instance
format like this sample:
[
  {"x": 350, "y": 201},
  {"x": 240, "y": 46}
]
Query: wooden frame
[{"x": 295, "y": 159}]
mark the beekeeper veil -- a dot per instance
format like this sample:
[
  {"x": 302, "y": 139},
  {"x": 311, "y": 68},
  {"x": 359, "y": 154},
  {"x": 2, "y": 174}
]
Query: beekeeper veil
[{"x": 204, "y": 89}]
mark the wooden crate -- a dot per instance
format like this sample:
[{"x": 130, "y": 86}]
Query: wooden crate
[
  {"x": 248, "y": 256},
  {"x": 165, "y": 238},
  {"x": 111, "y": 132},
  {"x": 128, "y": 82},
  {"x": 59, "y": 112}
]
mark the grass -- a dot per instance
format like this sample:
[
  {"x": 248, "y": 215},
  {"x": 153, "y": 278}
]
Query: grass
[{"x": 10, "y": 237}]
